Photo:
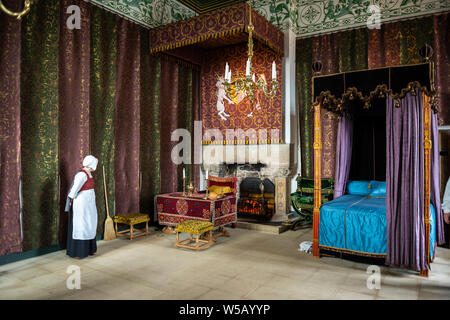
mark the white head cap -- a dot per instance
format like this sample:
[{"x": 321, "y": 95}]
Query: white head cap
[{"x": 90, "y": 162}]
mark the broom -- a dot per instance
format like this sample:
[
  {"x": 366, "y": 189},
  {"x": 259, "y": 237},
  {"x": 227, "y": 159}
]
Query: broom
[{"x": 109, "y": 232}]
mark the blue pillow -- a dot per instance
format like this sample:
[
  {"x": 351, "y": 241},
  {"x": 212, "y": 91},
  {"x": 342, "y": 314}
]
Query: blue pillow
[
  {"x": 359, "y": 188},
  {"x": 378, "y": 189}
]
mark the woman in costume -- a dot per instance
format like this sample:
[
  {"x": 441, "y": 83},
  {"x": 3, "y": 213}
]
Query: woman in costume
[{"x": 82, "y": 210}]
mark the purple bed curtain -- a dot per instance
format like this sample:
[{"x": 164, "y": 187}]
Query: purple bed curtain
[
  {"x": 343, "y": 155},
  {"x": 405, "y": 183},
  {"x": 435, "y": 180}
]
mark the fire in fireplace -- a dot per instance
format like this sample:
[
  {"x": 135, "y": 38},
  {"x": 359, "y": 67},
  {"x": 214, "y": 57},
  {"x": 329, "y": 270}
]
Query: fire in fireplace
[{"x": 256, "y": 199}]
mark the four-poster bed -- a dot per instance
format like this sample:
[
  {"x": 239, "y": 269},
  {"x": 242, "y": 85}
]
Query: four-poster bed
[{"x": 401, "y": 225}]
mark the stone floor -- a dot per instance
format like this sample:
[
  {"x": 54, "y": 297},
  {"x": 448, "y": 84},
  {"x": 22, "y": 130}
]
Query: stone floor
[{"x": 248, "y": 265}]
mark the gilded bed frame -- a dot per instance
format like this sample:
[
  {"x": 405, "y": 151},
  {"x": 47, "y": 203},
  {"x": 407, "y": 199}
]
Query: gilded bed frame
[{"x": 429, "y": 103}]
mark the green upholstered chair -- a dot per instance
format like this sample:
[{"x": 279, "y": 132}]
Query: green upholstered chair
[{"x": 303, "y": 198}]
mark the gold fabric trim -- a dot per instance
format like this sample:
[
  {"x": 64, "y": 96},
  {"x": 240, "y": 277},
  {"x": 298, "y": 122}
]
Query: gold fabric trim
[
  {"x": 354, "y": 252},
  {"x": 197, "y": 39},
  {"x": 339, "y": 105}
]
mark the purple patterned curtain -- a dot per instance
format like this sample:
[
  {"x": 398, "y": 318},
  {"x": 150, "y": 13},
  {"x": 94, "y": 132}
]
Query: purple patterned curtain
[
  {"x": 441, "y": 33},
  {"x": 405, "y": 183},
  {"x": 435, "y": 180},
  {"x": 10, "y": 33},
  {"x": 73, "y": 88},
  {"x": 169, "y": 120},
  {"x": 127, "y": 117},
  {"x": 196, "y": 117},
  {"x": 343, "y": 155}
]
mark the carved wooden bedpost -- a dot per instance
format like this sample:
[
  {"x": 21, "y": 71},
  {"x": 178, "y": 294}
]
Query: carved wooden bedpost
[
  {"x": 317, "y": 177},
  {"x": 427, "y": 144}
]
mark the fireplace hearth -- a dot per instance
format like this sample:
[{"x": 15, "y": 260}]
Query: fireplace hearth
[{"x": 256, "y": 199}]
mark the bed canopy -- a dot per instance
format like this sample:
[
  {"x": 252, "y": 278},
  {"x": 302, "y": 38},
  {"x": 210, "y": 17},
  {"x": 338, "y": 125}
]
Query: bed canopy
[{"x": 397, "y": 87}]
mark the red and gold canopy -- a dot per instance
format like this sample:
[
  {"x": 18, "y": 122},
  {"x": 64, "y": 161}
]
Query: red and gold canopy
[{"x": 228, "y": 24}]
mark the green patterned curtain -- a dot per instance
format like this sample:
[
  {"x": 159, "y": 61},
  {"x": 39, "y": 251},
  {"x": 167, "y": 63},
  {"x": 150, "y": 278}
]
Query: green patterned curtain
[
  {"x": 39, "y": 125},
  {"x": 353, "y": 50},
  {"x": 150, "y": 129},
  {"x": 47, "y": 89},
  {"x": 413, "y": 35},
  {"x": 306, "y": 117},
  {"x": 341, "y": 52},
  {"x": 102, "y": 106}
]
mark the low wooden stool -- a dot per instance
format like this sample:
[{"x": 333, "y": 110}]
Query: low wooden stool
[
  {"x": 130, "y": 219},
  {"x": 198, "y": 228}
]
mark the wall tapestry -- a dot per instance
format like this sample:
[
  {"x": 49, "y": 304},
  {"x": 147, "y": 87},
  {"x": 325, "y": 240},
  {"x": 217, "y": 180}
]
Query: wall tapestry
[{"x": 235, "y": 111}]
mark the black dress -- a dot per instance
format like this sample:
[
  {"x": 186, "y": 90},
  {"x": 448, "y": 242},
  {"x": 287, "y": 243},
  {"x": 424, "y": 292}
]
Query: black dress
[{"x": 79, "y": 248}]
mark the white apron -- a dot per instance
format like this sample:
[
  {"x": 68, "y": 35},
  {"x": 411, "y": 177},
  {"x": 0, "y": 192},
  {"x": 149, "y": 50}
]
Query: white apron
[{"x": 84, "y": 209}]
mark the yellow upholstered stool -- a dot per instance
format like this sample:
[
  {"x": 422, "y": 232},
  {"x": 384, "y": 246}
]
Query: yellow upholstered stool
[
  {"x": 194, "y": 227},
  {"x": 130, "y": 219}
]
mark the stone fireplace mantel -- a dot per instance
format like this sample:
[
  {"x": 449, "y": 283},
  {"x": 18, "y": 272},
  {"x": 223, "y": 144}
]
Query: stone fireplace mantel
[
  {"x": 270, "y": 155},
  {"x": 269, "y": 161}
]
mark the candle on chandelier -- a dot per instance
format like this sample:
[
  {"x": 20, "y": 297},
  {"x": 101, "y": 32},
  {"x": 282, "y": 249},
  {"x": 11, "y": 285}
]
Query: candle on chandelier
[
  {"x": 227, "y": 68},
  {"x": 247, "y": 69},
  {"x": 274, "y": 71}
]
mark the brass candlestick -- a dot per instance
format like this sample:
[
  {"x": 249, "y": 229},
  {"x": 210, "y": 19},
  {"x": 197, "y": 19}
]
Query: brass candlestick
[{"x": 190, "y": 189}]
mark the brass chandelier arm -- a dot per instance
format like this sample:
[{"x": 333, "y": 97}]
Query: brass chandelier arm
[
  {"x": 248, "y": 82},
  {"x": 18, "y": 15},
  {"x": 273, "y": 85}
]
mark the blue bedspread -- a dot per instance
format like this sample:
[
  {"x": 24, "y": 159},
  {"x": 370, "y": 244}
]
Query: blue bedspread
[{"x": 358, "y": 224}]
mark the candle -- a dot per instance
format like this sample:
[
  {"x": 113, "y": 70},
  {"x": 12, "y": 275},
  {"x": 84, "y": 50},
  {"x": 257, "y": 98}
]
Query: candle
[
  {"x": 247, "y": 69},
  {"x": 274, "y": 71},
  {"x": 253, "y": 77},
  {"x": 184, "y": 173},
  {"x": 226, "y": 71}
]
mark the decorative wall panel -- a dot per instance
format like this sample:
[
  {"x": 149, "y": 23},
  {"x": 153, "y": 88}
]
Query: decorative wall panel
[{"x": 148, "y": 13}]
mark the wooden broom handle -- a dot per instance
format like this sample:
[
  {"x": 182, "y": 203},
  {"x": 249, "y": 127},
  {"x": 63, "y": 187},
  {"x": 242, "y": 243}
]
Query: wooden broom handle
[{"x": 106, "y": 195}]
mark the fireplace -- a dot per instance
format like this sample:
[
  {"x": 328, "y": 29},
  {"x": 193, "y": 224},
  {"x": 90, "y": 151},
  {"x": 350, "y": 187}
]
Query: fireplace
[
  {"x": 253, "y": 166},
  {"x": 256, "y": 199}
]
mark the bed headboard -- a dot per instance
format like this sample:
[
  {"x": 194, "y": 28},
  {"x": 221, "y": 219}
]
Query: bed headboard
[{"x": 335, "y": 90}]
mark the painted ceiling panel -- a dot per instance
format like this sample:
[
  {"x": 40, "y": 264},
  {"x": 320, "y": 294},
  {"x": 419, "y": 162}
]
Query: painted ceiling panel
[
  {"x": 304, "y": 17},
  {"x": 204, "y": 6}
]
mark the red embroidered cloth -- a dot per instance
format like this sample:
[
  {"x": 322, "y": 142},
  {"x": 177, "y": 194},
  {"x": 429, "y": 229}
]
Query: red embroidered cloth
[{"x": 173, "y": 208}]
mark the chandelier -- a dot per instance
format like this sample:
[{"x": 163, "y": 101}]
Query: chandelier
[
  {"x": 249, "y": 82},
  {"x": 18, "y": 15}
]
